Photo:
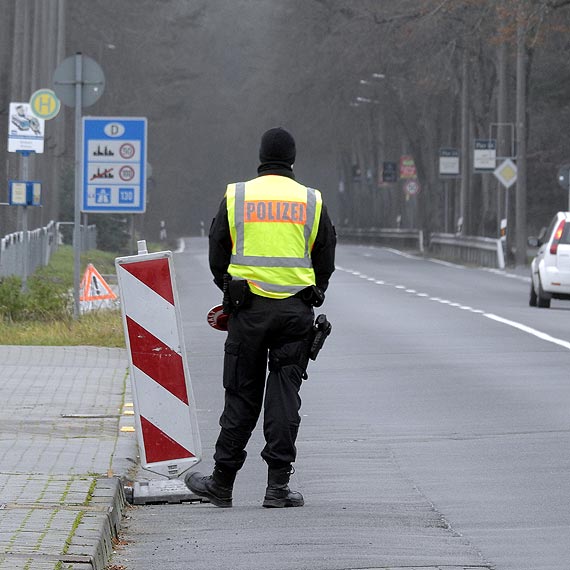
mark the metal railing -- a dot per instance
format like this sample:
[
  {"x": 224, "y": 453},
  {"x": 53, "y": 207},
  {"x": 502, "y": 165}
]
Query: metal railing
[
  {"x": 390, "y": 237},
  {"x": 484, "y": 251},
  {"x": 41, "y": 245}
]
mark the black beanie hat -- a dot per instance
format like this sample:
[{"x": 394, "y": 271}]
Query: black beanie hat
[{"x": 277, "y": 145}]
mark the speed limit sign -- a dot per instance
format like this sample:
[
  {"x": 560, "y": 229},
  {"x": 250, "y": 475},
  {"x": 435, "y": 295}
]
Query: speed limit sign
[
  {"x": 412, "y": 188},
  {"x": 126, "y": 173}
]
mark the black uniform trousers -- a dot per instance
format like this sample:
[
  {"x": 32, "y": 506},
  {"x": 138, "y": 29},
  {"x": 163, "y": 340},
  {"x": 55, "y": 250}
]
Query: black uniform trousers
[{"x": 267, "y": 331}]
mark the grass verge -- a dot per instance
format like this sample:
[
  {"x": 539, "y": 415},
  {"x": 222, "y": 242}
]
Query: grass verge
[
  {"x": 43, "y": 315},
  {"x": 102, "y": 328}
]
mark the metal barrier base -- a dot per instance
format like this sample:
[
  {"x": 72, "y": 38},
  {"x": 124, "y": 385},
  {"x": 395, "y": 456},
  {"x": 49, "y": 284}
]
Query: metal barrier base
[{"x": 159, "y": 492}]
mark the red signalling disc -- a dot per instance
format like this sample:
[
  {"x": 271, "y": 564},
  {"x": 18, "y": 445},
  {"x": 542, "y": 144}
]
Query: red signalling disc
[{"x": 217, "y": 319}]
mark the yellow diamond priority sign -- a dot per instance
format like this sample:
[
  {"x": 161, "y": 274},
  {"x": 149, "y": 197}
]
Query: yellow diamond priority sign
[
  {"x": 44, "y": 104},
  {"x": 506, "y": 173}
]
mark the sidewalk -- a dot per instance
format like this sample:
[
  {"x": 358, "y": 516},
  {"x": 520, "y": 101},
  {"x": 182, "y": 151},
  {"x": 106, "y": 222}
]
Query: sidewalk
[{"x": 63, "y": 451}]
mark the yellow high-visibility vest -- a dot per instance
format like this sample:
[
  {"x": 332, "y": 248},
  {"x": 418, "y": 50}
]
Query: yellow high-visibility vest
[{"x": 273, "y": 224}]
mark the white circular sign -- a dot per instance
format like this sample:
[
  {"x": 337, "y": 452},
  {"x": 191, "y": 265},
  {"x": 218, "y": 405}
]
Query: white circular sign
[
  {"x": 114, "y": 129},
  {"x": 412, "y": 187}
]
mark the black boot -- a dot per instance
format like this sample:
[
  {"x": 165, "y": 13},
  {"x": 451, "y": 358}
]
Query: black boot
[
  {"x": 278, "y": 493},
  {"x": 217, "y": 487}
]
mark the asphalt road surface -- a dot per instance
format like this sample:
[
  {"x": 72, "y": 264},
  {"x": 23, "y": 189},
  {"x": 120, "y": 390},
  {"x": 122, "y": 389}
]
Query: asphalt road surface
[{"x": 435, "y": 431}]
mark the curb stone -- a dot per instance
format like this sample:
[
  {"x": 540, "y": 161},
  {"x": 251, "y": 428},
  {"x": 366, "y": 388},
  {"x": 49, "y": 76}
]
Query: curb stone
[{"x": 98, "y": 529}]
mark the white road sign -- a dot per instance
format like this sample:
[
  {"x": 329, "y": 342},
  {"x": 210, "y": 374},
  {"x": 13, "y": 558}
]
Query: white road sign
[
  {"x": 506, "y": 173},
  {"x": 485, "y": 155},
  {"x": 25, "y": 130},
  {"x": 448, "y": 162}
]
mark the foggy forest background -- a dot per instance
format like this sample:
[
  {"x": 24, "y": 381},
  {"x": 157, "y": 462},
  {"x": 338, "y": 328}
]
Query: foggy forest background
[{"x": 357, "y": 83}]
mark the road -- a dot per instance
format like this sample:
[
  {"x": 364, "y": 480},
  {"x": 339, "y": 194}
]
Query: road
[{"x": 435, "y": 431}]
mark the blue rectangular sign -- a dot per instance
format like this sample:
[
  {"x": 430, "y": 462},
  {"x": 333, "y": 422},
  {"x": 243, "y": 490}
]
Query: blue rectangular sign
[
  {"x": 114, "y": 165},
  {"x": 24, "y": 193}
]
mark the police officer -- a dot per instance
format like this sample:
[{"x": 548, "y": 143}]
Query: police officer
[{"x": 272, "y": 248}]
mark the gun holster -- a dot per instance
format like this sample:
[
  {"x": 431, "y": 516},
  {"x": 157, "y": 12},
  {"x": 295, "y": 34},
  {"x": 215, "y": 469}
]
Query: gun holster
[
  {"x": 236, "y": 294},
  {"x": 313, "y": 296},
  {"x": 321, "y": 330}
]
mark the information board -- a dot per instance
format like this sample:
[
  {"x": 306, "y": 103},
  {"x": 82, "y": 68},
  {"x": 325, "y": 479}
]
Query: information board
[{"x": 114, "y": 165}]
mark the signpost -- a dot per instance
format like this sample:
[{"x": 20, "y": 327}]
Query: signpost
[
  {"x": 114, "y": 165},
  {"x": 449, "y": 167},
  {"x": 26, "y": 131},
  {"x": 25, "y": 136},
  {"x": 78, "y": 82}
]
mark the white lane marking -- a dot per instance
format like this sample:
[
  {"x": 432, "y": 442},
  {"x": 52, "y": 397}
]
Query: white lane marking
[
  {"x": 446, "y": 263},
  {"x": 529, "y": 330},
  {"x": 514, "y": 324},
  {"x": 505, "y": 274},
  {"x": 401, "y": 253}
]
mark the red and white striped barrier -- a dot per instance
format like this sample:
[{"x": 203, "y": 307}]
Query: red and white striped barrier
[{"x": 166, "y": 423}]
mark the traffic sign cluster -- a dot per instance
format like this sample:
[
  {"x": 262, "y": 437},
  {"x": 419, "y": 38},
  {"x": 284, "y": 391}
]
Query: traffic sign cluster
[{"x": 114, "y": 162}]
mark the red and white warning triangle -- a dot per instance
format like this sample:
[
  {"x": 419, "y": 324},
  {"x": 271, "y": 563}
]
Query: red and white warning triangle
[{"x": 93, "y": 287}]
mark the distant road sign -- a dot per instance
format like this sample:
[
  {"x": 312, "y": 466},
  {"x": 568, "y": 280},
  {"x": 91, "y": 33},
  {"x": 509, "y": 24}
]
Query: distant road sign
[
  {"x": 407, "y": 168},
  {"x": 412, "y": 187},
  {"x": 24, "y": 193},
  {"x": 448, "y": 162},
  {"x": 92, "y": 81},
  {"x": 45, "y": 104},
  {"x": 389, "y": 172},
  {"x": 25, "y": 130},
  {"x": 485, "y": 155},
  {"x": 506, "y": 173},
  {"x": 114, "y": 165}
]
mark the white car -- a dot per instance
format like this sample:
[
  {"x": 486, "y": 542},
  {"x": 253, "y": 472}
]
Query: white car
[{"x": 550, "y": 269}]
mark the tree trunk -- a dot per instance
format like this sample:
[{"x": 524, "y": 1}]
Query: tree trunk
[{"x": 521, "y": 231}]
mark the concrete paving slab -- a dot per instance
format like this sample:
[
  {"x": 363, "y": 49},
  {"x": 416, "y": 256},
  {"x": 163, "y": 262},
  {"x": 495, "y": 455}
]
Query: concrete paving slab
[{"x": 63, "y": 455}]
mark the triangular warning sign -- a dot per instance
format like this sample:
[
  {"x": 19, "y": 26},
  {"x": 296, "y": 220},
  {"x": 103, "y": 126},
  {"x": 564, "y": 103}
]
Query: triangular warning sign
[{"x": 93, "y": 287}]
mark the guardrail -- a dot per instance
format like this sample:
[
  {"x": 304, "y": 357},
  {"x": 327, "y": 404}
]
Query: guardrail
[
  {"x": 41, "y": 245},
  {"x": 484, "y": 251},
  {"x": 391, "y": 237}
]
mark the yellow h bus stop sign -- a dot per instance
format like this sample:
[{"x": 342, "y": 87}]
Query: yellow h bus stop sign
[{"x": 45, "y": 104}]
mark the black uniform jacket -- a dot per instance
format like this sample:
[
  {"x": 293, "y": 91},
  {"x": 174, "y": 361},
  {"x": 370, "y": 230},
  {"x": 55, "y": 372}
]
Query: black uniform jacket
[{"x": 220, "y": 246}]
